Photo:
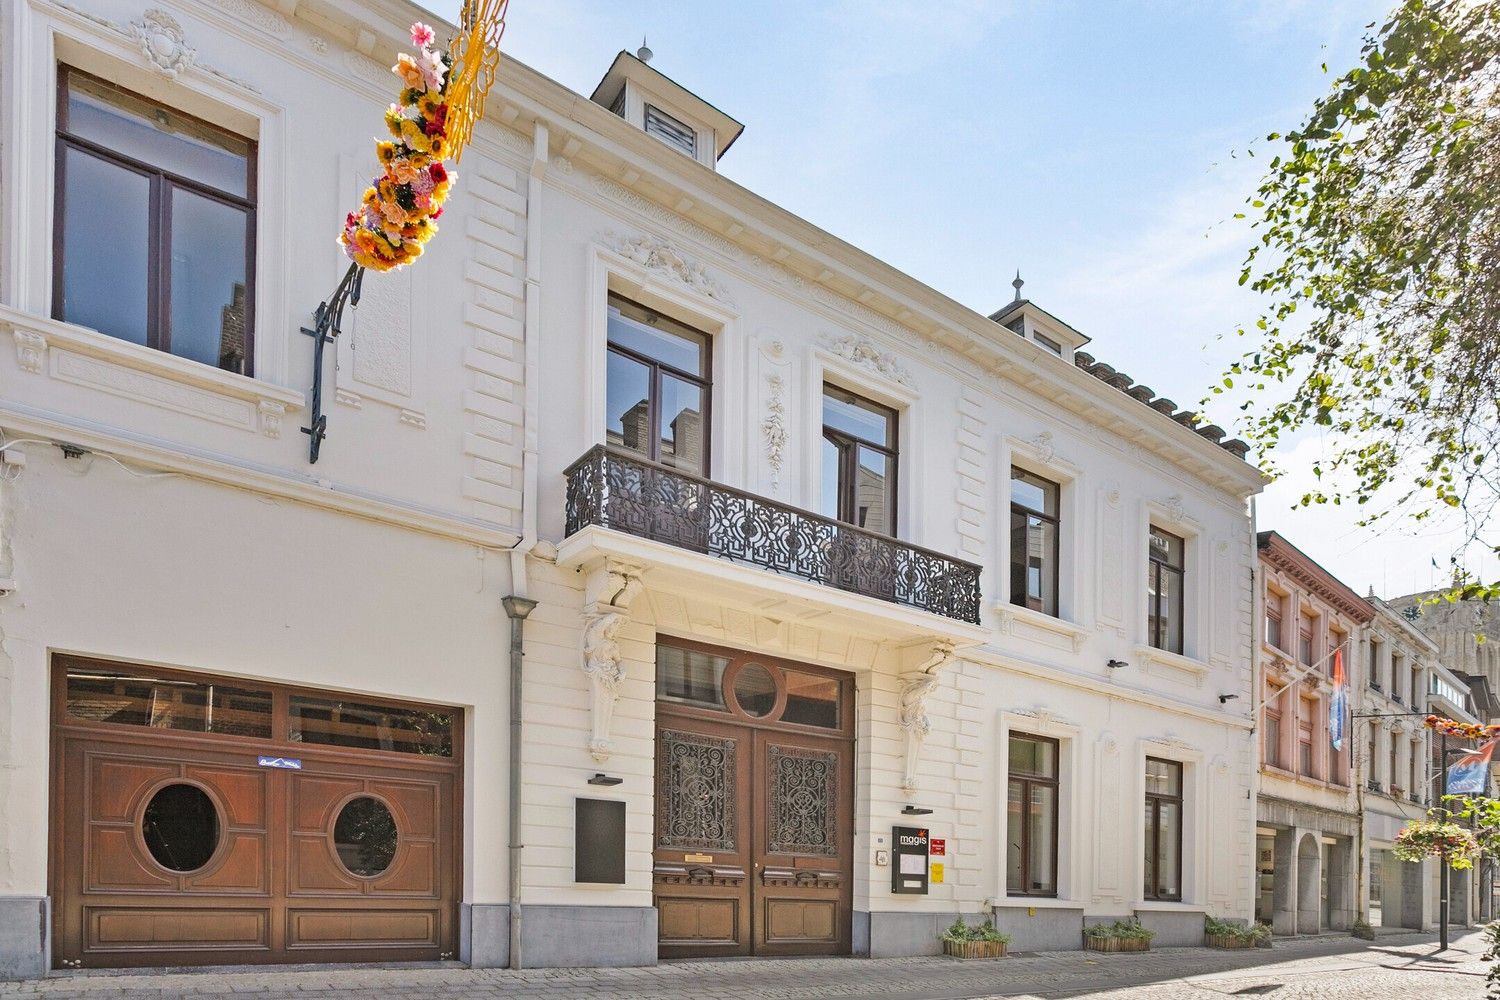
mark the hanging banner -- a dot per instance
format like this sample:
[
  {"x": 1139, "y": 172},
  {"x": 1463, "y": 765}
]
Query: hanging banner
[
  {"x": 1471, "y": 774},
  {"x": 1338, "y": 705}
]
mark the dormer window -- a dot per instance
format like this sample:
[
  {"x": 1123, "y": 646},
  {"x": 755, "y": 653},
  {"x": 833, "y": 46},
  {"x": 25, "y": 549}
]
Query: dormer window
[
  {"x": 669, "y": 130},
  {"x": 1047, "y": 343},
  {"x": 1017, "y": 326}
]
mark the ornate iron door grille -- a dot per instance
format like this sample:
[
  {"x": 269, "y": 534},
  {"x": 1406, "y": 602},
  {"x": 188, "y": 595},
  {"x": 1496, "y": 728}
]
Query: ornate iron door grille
[{"x": 641, "y": 498}]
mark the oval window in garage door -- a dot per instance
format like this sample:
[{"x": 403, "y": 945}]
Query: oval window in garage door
[
  {"x": 365, "y": 836},
  {"x": 181, "y": 827}
]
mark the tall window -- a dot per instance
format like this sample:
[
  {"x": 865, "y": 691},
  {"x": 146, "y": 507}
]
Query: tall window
[
  {"x": 1372, "y": 778},
  {"x": 1305, "y": 740},
  {"x": 1163, "y": 838},
  {"x": 859, "y": 461},
  {"x": 1398, "y": 667},
  {"x": 1395, "y": 774},
  {"x": 1305, "y": 639},
  {"x": 1164, "y": 614},
  {"x": 657, "y": 387},
  {"x": 1415, "y": 701},
  {"x": 1033, "y": 542},
  {"x": 1031, "y": 827},
  {"x": 1273, "y": 619},
  {"x": 1375, "y": 657},
  {"x": 1414, "y": 772},
  {"x": 1273, "y": 738},
  {"x": 154, "y": 226}
]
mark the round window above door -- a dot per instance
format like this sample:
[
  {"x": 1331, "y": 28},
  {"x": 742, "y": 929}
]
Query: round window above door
[{"x": 757, "y": 691}]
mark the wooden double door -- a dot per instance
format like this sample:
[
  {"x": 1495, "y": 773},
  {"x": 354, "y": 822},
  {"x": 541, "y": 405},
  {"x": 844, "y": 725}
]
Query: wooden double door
[
  {"x": 179, "y": 840},
  {"x": 754, "y": 823}
]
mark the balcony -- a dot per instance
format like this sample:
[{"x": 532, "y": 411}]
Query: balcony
[{"x": 623, "y": 492}]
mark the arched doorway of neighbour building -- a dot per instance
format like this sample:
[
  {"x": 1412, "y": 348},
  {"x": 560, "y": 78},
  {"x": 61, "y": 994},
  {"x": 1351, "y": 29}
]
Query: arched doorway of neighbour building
[{"x": 1309, "y": 884}]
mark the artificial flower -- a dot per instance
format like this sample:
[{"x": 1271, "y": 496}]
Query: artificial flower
[
  {"x": 410, "y": 73},
  {"x": 421, "y": 35}
]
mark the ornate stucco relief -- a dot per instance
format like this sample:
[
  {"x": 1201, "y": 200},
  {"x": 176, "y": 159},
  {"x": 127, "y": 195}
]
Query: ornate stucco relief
[
  {"x": 774, "y": 428},
  {"x": 916, "y": 686},
  {"x": 610, "y": 589},
  {"x": 661, "y": 257},
  {"x": 864, "y": 353}
]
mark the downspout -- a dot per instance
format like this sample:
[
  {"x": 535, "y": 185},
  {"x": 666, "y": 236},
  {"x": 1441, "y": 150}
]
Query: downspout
[{"x": 518, "y": 606}]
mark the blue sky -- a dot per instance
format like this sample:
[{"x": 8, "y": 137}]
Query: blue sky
[{"x": 1098, "y": 146}]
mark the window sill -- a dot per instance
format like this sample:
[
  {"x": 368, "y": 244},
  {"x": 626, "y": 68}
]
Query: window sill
[
  {"x": 1020, "y": 622},
  {"x": 1037, "y": 902},
  {"x": 1168, "y": 906},
  {"x": 1174, "y": 665},
  {"x": 88, "y": 358}
]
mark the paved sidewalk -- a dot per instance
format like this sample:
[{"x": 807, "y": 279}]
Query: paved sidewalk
[{"x": 1314, "y": 969}]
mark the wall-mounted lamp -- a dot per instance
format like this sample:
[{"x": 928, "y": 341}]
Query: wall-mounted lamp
[
  {"x": 1116, "y": 664},
  {"x": 1224, "y": 698},
  {"x": 605, "y": 779},
  {"x": 916, "y": 811}
]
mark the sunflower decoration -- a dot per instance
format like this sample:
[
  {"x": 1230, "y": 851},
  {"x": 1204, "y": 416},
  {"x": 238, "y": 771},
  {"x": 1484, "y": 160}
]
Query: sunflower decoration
[{"x": 398, "y": 212}]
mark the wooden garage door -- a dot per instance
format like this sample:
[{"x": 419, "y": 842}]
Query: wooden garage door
[{"x": 206, "y": 821}]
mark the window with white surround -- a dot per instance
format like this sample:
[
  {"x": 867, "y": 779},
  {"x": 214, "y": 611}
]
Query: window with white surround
[
  {"x": 1034, "y": 542},
  {"x": 657, "y": 387},
  {"x": 1165, "y": 602},
  {"x": 1032, "y": 816},
  {"x": 859, "y": 461},
  {"x": 1163, "y": 829},
  {"x": 155, "y": 225}
]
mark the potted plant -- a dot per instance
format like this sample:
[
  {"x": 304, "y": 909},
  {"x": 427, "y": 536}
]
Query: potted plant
[
  {"x": 1122, "y": 935},
  {"x": 1226, "y": 934},
  {"x": 983, "y": 941}
]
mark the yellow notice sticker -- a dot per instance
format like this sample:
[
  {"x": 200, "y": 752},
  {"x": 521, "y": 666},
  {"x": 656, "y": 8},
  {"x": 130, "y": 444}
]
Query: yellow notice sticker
[{"x": 935, "y": 873}]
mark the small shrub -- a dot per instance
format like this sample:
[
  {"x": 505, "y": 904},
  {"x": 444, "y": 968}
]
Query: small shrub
[
  {"x": 1250, "y": 933},
  {"x": 961, "y": 931}
]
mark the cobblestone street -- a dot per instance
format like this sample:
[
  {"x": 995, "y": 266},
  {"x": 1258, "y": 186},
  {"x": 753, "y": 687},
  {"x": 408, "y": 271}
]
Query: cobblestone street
[{"x": 1323, "y": 968}]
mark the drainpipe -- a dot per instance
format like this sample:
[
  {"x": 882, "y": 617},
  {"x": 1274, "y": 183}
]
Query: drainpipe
[{"x": 518, "y": 606}]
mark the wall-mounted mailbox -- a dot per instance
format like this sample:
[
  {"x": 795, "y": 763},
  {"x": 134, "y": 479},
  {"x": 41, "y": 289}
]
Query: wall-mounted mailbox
[
  {"x": 909, "y": 852},
  {"x": 599, "y": 841}
]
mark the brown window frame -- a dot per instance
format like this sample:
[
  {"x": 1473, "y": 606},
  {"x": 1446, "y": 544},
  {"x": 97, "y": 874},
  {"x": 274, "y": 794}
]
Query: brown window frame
[
  {"x": 1157, "y": 626},
  {"x": 158, "y": 274},
  {"x": 1271, "y": 748},
  {"x": 1022, "y": 597},
  {"x": 280, "y": 716},
  {"x": 1154, "y": 802},
  {"x": 656, "y": 368},
  {"x": 1026, "y": 780},
  {"x": 849, "y": 445}
]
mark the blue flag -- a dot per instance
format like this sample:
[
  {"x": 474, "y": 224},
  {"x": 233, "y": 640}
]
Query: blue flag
[
  {"x": 1471, "y": 774},
  {"x": 1338, "y": 705}
]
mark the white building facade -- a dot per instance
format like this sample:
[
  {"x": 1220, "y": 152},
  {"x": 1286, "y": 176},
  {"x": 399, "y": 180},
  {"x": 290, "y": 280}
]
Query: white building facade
[{"x": 838, "y": 609}]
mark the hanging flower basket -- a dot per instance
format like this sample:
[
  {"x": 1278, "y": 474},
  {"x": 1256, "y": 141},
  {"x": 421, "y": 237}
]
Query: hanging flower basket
[{"x": 1431, "y": 839}]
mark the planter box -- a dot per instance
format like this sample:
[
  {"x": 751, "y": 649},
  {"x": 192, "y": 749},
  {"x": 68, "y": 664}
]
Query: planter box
[
  {"x": 1116, "y": 944},
  {"x": 1228, "y": 941},
  {"x": 975, "y": 949}
]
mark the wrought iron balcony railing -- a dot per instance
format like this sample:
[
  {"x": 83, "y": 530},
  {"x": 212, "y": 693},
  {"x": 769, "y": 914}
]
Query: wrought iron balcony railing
[{"x": 624, "y": 492}]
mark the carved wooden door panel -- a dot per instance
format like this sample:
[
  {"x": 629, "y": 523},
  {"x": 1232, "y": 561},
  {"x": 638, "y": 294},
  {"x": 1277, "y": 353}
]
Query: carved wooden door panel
[
  {"x": 136, "y": 882},
  {"x": 802, "y": 892},
  {"x": 702, "y": 861}
]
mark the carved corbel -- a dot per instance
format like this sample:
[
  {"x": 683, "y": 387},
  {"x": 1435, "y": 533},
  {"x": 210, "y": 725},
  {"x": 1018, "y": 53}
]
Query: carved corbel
[
  {"x": 609, "y": 589},
  {"x": 917, "y": 684}
]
